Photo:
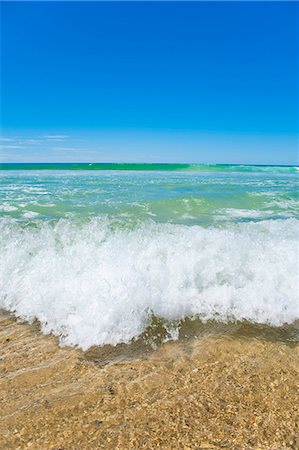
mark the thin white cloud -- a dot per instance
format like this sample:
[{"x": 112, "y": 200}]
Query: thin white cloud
[
  {"x": 65, "y": 148},
  {"x": 33, "y": 141},
  {"x": 56, "y": 136},
  {"x": 12, "y": 146},
  {"x": 3, "y": 139}
]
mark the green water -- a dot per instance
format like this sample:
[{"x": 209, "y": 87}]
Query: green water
[
  {"x": 152, "y": 167},
  {"x": 96, "y": 252},
  {"x": 170, "y": 193}
]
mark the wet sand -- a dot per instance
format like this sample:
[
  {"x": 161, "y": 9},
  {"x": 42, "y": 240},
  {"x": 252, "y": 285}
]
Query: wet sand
[{"x": 210, "y": 392}]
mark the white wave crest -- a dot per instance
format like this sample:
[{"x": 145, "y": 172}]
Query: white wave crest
[{"x": 92, "y": 284}]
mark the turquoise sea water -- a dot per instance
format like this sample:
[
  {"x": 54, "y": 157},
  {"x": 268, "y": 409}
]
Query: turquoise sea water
[
  {"x": 168, "y": 167},
  {"x": 175, "y": 193},
  {"x": 94, "y": 251}
]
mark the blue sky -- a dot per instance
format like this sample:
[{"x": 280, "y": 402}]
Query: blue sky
[{"x": 150, "y": 81}]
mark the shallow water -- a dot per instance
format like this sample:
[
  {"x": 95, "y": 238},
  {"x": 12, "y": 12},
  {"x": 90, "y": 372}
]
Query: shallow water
[
  {"x": 96, "y": 255},
  {"x": 212, "y": 392}
]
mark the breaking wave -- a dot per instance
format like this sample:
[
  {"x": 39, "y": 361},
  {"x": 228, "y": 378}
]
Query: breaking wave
[{"x": 94, "y": 283}]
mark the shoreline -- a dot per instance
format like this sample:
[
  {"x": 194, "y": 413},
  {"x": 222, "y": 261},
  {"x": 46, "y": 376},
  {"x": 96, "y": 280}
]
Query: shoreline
[{"x": 210, "y": 392}]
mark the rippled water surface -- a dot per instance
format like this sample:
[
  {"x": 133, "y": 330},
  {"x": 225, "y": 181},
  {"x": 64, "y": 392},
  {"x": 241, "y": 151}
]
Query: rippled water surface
[{"x": 98, "y": 255}]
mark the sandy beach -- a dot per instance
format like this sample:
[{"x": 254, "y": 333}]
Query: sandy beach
[
  {"x": 149, "y": 218},
  {"x": 210, "y": 392}
]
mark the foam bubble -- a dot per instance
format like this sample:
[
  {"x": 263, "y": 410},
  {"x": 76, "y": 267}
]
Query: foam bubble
[{"x": 95, "y": 284}]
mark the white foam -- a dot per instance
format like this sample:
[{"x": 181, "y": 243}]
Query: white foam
[
  {"x": 92, "y": 284},
  {"x": 246, "y": 213},
  {"x": 6, "y": 207},
  {"x": 30, "y": 214}
]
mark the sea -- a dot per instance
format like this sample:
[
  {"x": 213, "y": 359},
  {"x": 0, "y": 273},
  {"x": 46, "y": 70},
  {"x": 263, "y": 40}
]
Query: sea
[{"x": 106, "y": 253}]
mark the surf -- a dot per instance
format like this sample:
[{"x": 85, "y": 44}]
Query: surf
[{"x": 92, "y": 283}]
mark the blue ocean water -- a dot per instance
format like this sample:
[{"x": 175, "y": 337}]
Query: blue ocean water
[{"x": 94, "y": 254}]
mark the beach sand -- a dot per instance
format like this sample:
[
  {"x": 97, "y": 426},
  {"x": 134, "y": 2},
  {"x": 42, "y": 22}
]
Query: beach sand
[{"x": 210, "y": 392}]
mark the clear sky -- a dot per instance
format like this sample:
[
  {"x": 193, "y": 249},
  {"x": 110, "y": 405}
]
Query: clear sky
[{"x": 150, "y": 81}]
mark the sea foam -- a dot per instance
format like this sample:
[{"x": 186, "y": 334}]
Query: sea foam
[{"x": 96, "y": 283}]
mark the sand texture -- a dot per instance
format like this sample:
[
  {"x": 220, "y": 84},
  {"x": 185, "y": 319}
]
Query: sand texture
[{"x": 212, "y": 392}]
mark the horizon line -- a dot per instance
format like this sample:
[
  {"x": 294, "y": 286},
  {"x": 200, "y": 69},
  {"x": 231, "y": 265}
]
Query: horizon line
[{"x": 152, "y": 163}]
